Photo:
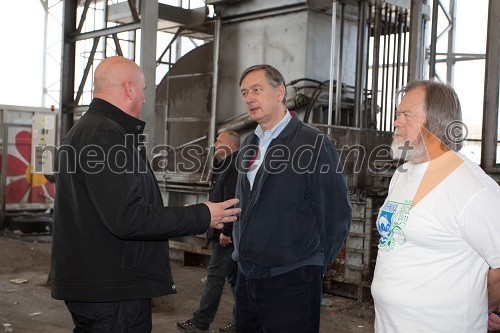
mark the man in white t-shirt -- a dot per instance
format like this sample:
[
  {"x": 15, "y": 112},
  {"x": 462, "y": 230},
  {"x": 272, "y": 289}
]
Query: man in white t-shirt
[{"x": 439, "y": 252}]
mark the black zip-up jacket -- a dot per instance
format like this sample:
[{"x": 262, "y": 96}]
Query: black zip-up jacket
[
  {"x": 223, "y": 187},
  {"x": 111, "y": 229},
  {"x": 299, "y": 205}
]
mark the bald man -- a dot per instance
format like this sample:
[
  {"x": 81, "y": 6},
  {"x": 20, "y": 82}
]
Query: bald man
[{"x": 110, "y": 252}]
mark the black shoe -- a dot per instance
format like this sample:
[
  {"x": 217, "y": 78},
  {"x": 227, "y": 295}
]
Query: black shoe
[
  {"x": 229, "y": 328},
  {"x": 188, "y": 327}
]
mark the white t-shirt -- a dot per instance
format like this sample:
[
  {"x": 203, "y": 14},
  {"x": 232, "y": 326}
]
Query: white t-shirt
[{"x": 440, "y": 234}]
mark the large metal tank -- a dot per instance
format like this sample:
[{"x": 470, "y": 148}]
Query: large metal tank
[
  {"x": 295, "y": 37},
  {"x": 184, "y": 100}
]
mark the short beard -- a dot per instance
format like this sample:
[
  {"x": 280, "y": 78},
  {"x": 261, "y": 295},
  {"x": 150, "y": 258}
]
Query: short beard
[{"x": 407, "y": 151}]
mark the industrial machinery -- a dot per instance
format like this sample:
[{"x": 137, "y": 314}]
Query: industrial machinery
[
  {"x": 331, "y": 90},
  {"x": 26, "y": 192},
  {"x": 343, "y": 62}
]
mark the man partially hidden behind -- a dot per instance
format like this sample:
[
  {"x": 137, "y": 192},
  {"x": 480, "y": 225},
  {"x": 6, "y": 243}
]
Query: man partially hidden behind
[
  {"x": 221, "y": 265},
  {"x": 295, "y": 213},
  {"x": 438, "y": 260},
  {"x": 110, "y": 251}
]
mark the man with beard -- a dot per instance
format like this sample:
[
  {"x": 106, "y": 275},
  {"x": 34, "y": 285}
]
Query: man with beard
[{"x": 439, "y": 250}]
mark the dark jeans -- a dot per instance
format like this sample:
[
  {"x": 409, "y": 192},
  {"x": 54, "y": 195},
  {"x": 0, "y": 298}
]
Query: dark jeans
[
  {"x": 221, "y": 267},
  {"x": 287, "y": 303},
  {"x": 113, "y": 317}
]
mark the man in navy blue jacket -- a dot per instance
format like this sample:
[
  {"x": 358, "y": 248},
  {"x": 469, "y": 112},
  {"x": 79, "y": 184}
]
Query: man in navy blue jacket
[{"x": 295, "y": 213}]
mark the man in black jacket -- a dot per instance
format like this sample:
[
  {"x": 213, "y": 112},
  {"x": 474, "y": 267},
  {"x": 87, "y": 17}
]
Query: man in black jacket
[
  {"x": 110, "y": 252},
  {"x": 295, "y": 212},
  {"x": 221, "y": 264}
]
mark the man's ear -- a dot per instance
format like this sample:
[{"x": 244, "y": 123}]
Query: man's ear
[
  {"x": 281, "y": 92},
  {"x": 129, "y": 89}
]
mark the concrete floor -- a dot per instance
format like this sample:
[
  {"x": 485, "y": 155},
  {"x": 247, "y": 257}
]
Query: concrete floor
[{"x": 27, "y": 307}]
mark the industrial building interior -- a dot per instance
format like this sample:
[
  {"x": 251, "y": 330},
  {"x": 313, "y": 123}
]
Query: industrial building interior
[{"x": 343, "y": 61}]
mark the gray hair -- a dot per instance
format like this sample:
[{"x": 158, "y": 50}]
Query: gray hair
[
  {"x": 273, "y": 75},
  {"x": 442, "y": 109}
]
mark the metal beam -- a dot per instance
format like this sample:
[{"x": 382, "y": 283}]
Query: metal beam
[
  {"x": 173, "y": 14},
  {"x": 74, "y": 37},
  {"x": 450, "y": 62},
  {"x": 376, "y": 61},
  {"x": 416, "y": 48},
  {"x": 360, "y": 69},
  {"x": 340, "y": 61},
  {"x": 491, "y": 89},
  {"x": 45, "y": 6},
  {"x": 215, "y": 84},
  {"x": 133, "y": 10},
  {"x": 117, "y": 45},
  {"x": 400, "y": 3},
  {"x": 83, "y": 16},
  {"x": 86, "y": 72},
  {"x": 434, "y": 38},
  {"x": 68, "y": 66},
  {"x": 149, "y": 26}
]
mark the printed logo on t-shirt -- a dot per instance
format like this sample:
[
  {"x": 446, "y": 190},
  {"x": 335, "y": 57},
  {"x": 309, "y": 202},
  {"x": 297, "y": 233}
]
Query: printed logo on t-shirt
[{"x": 391, "y": 223}]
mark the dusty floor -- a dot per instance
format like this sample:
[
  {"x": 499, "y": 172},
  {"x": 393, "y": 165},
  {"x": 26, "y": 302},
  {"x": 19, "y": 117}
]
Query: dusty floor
[{"x": 27, "y": 307}]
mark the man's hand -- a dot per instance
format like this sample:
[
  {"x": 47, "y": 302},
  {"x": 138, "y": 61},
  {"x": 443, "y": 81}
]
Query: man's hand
[
  {"x": 493, "y": 299},
  {"x": 493, "y": 289},
  {"x": 224, "y": 240},
  {"x": 221, "y": 212},
  {"x": 493, "y": 322}
]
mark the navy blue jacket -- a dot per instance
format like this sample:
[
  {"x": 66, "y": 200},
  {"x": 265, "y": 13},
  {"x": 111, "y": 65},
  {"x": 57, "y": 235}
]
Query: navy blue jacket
[
  {"x": 111, "y": 229},
  {"x": 299, "y": 205},
  {"x": 223, "y": 186}
]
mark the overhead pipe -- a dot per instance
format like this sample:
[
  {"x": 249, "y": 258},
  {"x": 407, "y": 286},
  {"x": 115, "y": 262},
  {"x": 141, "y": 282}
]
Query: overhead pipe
[
  {"x": 371, "y": 121},
  {"x": 215, "y": 83},
  {"x": 340, "y": 56},
  {"x": 405, "y": 47},
  {"x": 332, "y": 65},
  {"x": 387, "y": 64},
  {"x": 384, "y": 73},
  {"x": 360, "y": 56},
  {"x": 376, "y": 61},
  {"x": 395, "y": 66}
]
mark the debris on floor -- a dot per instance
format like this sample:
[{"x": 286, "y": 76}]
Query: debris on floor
[{"x": 19, "y": 280}]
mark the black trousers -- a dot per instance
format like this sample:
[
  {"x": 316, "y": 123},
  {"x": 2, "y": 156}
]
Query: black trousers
[
  {"x": 221, "y": 267},
  {"x": 287, "y": 303},
  {"x": 114, "y": 317}
]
